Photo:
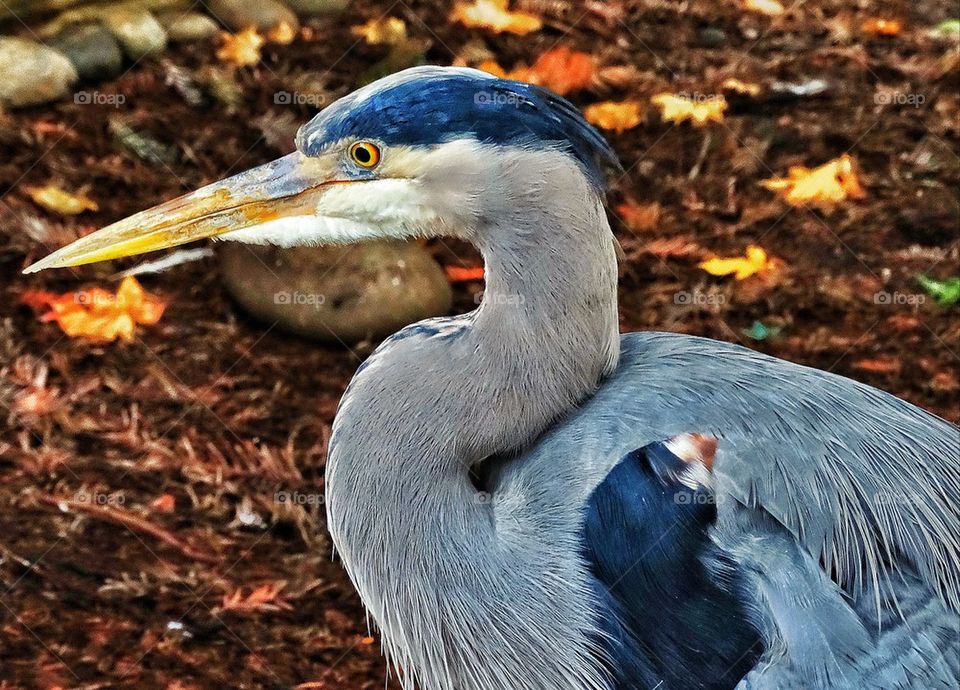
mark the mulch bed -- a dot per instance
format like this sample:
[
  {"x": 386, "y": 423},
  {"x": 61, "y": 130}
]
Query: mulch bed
[{"x": 143, "y": 541}]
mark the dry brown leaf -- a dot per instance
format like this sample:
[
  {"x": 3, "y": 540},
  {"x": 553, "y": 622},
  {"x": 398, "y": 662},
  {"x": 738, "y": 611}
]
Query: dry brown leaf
[
  {"x": 494, "y": 15},
  {"x": 884, "y": 366},
  {"x": 672, "y": 248},
  {"x": 55, "y": 199},
  {"x": 97, "y": 313},
  {"x": 825, "y": 186},
  {"x": 676, "y": 108},
  {"x": 263, "y": 599},
  {"x": 241, "y": 49},
  {"x": 618, "y": 116}
]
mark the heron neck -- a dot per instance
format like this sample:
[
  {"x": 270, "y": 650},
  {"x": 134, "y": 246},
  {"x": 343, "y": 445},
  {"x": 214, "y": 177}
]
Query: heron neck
[{"x": 413, "y": 531}]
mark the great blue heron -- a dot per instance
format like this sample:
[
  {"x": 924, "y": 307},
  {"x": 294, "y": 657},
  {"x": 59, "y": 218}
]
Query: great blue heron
[{"x": 527, "y": 500}]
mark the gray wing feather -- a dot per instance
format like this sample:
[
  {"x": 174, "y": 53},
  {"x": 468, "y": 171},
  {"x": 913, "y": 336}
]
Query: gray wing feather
[{"x": 841, "y": 499}]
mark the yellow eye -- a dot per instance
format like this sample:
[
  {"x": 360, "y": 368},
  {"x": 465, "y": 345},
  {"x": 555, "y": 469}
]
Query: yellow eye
[{"x": 365, "y": 154}]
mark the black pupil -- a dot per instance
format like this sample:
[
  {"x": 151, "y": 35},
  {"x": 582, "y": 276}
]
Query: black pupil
[{"x": 363, "y": 155}]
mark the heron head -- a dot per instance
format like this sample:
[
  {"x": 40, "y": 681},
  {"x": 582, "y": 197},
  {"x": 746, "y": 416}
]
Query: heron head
[{"x": 411, "y": 155}]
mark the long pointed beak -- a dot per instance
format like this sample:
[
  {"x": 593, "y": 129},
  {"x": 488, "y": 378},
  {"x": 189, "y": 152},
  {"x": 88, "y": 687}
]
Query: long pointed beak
[{"x": 283, "y": 188}]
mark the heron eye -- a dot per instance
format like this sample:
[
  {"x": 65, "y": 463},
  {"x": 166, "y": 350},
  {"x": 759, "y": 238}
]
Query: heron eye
[{"x": 365, "y": 154}]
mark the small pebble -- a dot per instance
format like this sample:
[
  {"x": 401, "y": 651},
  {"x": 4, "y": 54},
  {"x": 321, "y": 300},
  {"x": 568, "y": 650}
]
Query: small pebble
[
  {"x": 31, "y": 73},
  {"x": 92, "y": 50},
  {"x": 138, "y": 31},
  {"x": 314, "y": 7},
  {"x": 712, "y": 37},
  {"x": 187, "y": 26},
  {"x": 261, "y": 14}
]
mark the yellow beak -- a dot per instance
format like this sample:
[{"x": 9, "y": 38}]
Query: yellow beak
[{"x": 284, "y": 188}]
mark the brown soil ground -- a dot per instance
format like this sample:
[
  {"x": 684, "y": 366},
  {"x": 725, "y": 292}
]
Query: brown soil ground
[{"x": 111, "y": 591}]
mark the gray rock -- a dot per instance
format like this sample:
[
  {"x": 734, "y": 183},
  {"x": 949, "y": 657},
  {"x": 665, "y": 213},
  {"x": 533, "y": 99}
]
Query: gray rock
[
  {"x": 92, "y": 49},
  {"x": 344, "y": 293},
  {"x": 188, "y": 26},
  {"x": 31, "y": 73},
  {"x": 262, "y": 14},
  {"x": 313, "y": 7},
  {"x": 138, "y": 31}
]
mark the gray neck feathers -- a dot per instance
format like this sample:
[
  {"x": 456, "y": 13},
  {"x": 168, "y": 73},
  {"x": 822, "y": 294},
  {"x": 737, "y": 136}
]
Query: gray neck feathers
[{"x": 468, "y": 591}]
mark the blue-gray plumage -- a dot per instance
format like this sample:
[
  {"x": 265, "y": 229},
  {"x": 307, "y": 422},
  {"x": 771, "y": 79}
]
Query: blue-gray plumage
[{"x": 516, "y": 493}]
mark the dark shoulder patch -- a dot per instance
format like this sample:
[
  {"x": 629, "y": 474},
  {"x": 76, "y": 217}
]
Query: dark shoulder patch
[{"x": 669, "y": 596}]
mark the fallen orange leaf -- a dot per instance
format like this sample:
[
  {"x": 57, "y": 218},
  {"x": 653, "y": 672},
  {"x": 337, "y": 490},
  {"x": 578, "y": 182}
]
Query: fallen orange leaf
[
  {"x": 494, "y": 68},
  {"x": 883, "y": 27},
  {"x": 460, "y": 274},
  {"x": 165, "y": 503},
  {"x": 241, "y": 49},
  {"x": 771, "y": 8},
  {"x": 562, "y": 70},
  {"x": 97, "y": 313},
  {"x": 676, "y": 108},
  {"x": 494, "y": 15},
  {"x": 641, "y": 218},
  {"x": 57, "y": 200},
  {"x": 753, "y": 262},
  {"x": 283, "y": 33},
  {"x": 829, "y": 184},
  {"x": 885, "y": 366},
  {"x": 618, "y": 116},
  {"x": 383, "y": 31}
]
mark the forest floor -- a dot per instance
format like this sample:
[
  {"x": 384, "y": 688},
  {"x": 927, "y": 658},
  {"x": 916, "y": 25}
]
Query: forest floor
[{"x": 160, "y": 515}]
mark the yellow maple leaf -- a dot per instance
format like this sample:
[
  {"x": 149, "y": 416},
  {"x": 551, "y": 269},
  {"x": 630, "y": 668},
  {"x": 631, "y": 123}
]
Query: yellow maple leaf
[
  {"x": 99, "y": 314},
  {"x": 754, "y": 261},
  {"x": 242, "y": 48},
  {"x": 771, "y": 8},
  {"x": 618, "y": 116},
  {"x": 55, "y": 199},
  {"x": 744, "y": 88},
  {"x": 384, "y": 31},
  {"x": 677, "y": 108},
  {"x": 494, "y": 15},
  {"x": 827, "y": 185}
]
